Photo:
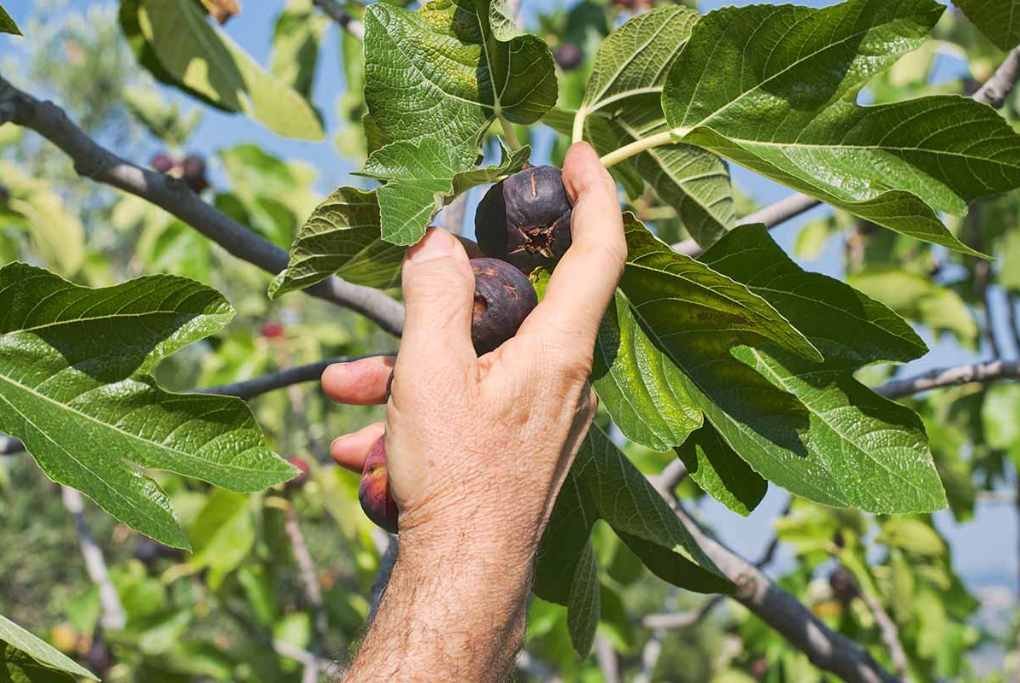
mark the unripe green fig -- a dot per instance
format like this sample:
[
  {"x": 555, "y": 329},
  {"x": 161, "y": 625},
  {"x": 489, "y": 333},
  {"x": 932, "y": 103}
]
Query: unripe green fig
[
  {"x": 374, "y": 490},
  {"x": 503, "y": 299},
  {"x": 525, "y": 219}
]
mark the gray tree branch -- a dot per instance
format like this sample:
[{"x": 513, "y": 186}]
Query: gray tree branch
[
  {"x": 338, "y": 13},
  {"x": 101, "y": 165},
  {"x": 939, "y": 378}
]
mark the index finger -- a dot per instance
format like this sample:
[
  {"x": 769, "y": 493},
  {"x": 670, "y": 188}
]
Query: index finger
[{"x": 584, "y": 280}]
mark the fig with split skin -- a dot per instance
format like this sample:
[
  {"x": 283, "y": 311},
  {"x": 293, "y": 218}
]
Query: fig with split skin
[
  {"x": 525, "y": 219},
  {"x": 503, "y": 299}
]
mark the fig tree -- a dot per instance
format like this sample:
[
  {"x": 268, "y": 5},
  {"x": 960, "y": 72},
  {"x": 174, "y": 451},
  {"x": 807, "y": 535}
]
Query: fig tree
[
  {"x": 374, "y": 491},
  {"x": 525, "y": 219},
  {"x": 503, "y": 299}
]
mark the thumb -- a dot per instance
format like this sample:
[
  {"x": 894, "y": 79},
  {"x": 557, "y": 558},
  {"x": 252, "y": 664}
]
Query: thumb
[{"x": 438, "y": 295}]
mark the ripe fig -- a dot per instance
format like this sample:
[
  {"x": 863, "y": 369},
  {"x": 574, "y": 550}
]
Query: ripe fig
[
  {"x": 844, "y": 585},
  {"x": 568, "y": 56},
  {"x": 374, "y": 491},
  {"x": 301, "y": 479},
  {"x": 503, "y": 299},
  {"x": 525, "y": 219},
  {"x": 162, "y": 162},
  {"x": 193, "y": 172}
]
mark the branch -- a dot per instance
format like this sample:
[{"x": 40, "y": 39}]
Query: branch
[
  {"x": 997, "y": 88},
  {"x": 9, "y": 445},
  {"x": 310, "y": 586},
  {"x": 948, "y": 377},
  {"x": 113, "y": 616},
  {"x": 609, "y": 663},
  {"x": 335, "y": 11},
  {"x": 100, "y": 164},
  {"x": 889, "y": 632}
]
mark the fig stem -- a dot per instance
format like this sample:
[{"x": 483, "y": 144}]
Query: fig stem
[
  {"x": 509, "y": 134},
  {"x": 633, "y": 149}
]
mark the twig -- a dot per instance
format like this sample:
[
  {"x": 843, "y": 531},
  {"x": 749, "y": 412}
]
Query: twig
[
  {"x": 670, "y": 477},
  {"x": 100, "y": 164},
  {"x": 997, "y": 497},
  {"x": 113, "y": 617},
  {"x": 309, "y": 584},
  {"x": 946, "y": 377},
  {"x": 341, "y": 16},
  {"x": 997, "y": 88},
  {"x": 889, "y": 632}
]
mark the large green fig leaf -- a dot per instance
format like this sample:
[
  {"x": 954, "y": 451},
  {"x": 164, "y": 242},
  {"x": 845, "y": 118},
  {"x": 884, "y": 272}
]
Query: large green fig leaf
[
  {"x": 435, "y": 80},
  {"x": 625, "y": 87},
  {"x": 837, "y": 441},
  {"x": 999, "y": 20},
  {"x": 296, "y": 37},
  {"x": 790, "y": 112},
  {"x": 173, "y": 39},
  {"x": 7, "y": 24},
  {"x": 720, "y": 472},
  {"x": 25, "y": 657},
  {"x": 75, "y": 387},
  {"x": 603, "y": 484}
]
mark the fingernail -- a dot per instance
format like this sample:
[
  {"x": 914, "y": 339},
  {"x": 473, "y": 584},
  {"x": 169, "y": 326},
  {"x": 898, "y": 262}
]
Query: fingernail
[{"x": 436, "y": 244}]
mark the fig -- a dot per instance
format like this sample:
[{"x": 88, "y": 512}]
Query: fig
[
  {"x": 503, "y": 299},
  {"x": 568, "y": 56},
  {"x": 525, "y": 219},
  {"x": 300, "y": 479},
  {"x": 162, "y": 162},
  {"x": 374, "y": 491},
  {"x": 193, "y": 172},
  {"x": 844, "y": 585}
]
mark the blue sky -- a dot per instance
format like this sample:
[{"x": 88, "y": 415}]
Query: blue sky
[{"x": 252, "y": 30}]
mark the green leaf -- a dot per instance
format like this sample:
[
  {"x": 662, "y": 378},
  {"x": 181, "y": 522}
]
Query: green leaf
[
  {"x": 838, "y": 442},
  {"x": 163, "y": 119},
  {"x": 421, "y": 177},
  {"x": 603, "y": 484},
  {"x": 1000, "y": 416},
  {"x": 643, "y": 391},
  {"x": 625, "y": 87},
  {"x": 435, "y": 80},
  {"x": 175, "y": 41},
  {"x": 7, "y": 24},
  {"x": 24, "y": 657},
  {"x": 296, "y": 36},
  {"x": 999, "y": 20},
  {"x": 223, "y": 535},
  {"x": 1009, "y": 271},
  {"x": 912, "y": 535},
  {"x": 791, "y": 114},
  {"x": 341, "y": 237},
  {"x": 720, "y": 472},
  {"x": 75, "y": 387}
]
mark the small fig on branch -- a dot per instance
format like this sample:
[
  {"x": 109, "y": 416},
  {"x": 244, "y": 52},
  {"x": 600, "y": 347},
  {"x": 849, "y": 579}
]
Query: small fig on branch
[
  {"x": 162, "y": 162},
  {"x": 503, "y": 299},
  {"x": 568, "y": 56},
  {"x": 525, "y": 219},
  {"x": 374, "y": 491},
  {"x": 193, "y": 172}
]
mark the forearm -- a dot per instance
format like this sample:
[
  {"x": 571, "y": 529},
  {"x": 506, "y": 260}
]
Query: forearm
[{"x": 451, "y": 611}]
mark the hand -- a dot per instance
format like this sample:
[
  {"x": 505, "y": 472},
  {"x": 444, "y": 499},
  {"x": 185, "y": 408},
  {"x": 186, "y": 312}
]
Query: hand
[{"x": 477, "y": 448}]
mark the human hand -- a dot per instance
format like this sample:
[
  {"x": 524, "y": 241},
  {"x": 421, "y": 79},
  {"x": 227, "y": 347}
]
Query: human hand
[{"x": 488, "y": 440}]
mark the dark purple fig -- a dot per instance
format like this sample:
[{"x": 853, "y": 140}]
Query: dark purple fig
[
  {"x": 193, "y": 172},
  {"x": 162, "y": 162},
  {"x": 568, "y": 56},
  {"x": 525, "y": 219},
  {"x": 374, "y": 491},
  {"x": 843, "y": 585},
  {"x": 503, "y": 299}
]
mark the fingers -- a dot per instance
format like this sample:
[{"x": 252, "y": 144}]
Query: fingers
[
  {"x": 361, "y": 382},
  {"x": 349, "y": 451},
  {"x": 438, "y": 295},
  {"x": 584, "y": 280}
]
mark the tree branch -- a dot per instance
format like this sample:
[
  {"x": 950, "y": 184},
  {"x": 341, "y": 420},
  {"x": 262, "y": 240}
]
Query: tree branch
[
  {"x": 890, "y": 634},
  {"x": 946, "y": 377},
  {"x": 101, "y": 165},
  {"x": 335, "y": 11},
  {"x": 310, "y": 586},
  {"x": 113, "y": 617},
  {"x": 997, "y": 88}
]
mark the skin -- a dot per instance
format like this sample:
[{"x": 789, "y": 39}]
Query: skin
[{"x": 478, "y": 448}]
